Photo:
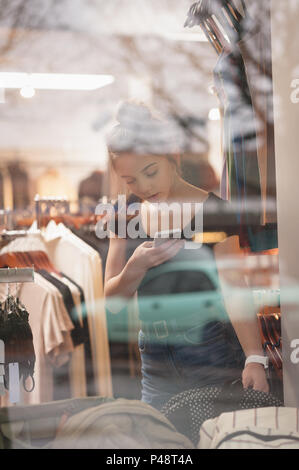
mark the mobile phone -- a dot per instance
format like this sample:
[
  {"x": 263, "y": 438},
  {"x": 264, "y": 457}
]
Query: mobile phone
[{"x": 166, "y": 235}]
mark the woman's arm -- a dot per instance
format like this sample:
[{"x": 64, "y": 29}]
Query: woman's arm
[
  {"x": 240, "y": 307},
  {"x": 123, "y": 278}
]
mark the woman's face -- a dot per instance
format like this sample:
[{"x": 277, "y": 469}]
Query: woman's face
[{"x": 148, "y": 177}]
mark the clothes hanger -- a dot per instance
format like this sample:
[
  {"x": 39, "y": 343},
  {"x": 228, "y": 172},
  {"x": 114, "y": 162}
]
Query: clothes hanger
[
  {"x": 210, "y": 27},
  {"x": 203, "y": 9},
  {"x": 43, "y": 261},
  {"x": 10, "y": 260},
  {"x": 198, "y": 14},
  {"x": 232, "y": 6},
  {"x": 207, "y": 13},
  {"x": 30, "y": 259},
  {"x": 217, "y": 8},
  {"x": 211, "y": 37},
  {"x": 23, "y": 259},
  {"x": 233, "y": 14},
  {"x": 227, "y": 15},
  {"x": 224, "y": 43}
]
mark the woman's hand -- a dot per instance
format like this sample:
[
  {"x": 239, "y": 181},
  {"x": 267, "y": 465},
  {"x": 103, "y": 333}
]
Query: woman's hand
[
  {"x": 254, "y": 376},
  {"x": 147, "y": 256}
]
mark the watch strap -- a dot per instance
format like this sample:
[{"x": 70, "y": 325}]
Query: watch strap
[{"x": 258, "y": 359}]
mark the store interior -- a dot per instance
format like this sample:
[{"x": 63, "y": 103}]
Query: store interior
[{"x": 64, "y": 70}]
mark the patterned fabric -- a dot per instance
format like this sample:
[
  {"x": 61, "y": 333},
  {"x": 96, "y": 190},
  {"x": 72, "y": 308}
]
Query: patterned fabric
[
  {"x": 263, "y": 428},
  {"x": 188, "y": 410}
]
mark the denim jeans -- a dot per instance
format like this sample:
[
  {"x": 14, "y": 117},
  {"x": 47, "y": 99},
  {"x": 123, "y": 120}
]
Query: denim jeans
[{"x": 190, "y": 359}]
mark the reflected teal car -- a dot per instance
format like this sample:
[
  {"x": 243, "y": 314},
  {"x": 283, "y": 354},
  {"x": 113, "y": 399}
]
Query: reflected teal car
[{"x": 193, "y": 292}]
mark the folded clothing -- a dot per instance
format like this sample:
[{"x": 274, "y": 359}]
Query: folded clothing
[{"x": 262, "y": 428}]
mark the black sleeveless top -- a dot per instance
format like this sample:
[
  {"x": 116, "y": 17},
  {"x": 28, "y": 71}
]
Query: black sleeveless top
[
  {"x": 218, "y": 216},
  {"x": 174, "y": 278}
]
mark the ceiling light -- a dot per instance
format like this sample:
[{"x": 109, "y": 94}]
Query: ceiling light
[
  {"x": 214, "y": 114},
  {"x": 27, "y": 92},
  {"x": 54, "y": 81}
]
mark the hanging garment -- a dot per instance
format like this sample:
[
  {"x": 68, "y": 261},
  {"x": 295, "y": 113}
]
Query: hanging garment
[
  {"x": 101, "y": 245},
  {"x": 32, "y": 242},
  {"x": 240, "y": 180},
  {"x": 256, "y": 53},
  {"x": 188, "y": 410},
  {"x": 63, "y": 389},
  {"x": 81, "y": 363},
  {"x": 51, "y": 327},
  {"x": 69, "y": 375},
  {"x": 17, "y": 341},
  {"x": 83, "y": 264},
  {"x": 77, "y": 333},
  {"x": 90, "y": 379}
]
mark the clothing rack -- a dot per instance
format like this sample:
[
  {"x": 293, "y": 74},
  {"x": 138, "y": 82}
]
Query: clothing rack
[
  {"x": 48, "y": 202},
  {"x": 14, "y": 275},
  {"x": 53, "y": 409},
  {"x": 7, "y": 234}
]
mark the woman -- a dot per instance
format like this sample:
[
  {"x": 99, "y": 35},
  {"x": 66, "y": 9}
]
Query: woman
[{"x": 142, "y": 152}]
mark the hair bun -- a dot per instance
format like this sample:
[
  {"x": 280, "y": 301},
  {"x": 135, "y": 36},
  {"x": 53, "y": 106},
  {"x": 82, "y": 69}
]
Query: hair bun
[
  {"x": 131, "y": 113},
  {"x": 141, "y": 132}
]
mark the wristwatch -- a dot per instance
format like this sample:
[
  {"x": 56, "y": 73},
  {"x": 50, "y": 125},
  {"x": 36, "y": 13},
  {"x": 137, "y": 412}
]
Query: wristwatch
[{"x": 259, "y": 360}]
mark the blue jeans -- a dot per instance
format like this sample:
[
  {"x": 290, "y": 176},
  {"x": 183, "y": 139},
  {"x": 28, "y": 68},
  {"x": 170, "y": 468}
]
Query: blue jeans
[{"x": 187, "y": 360}]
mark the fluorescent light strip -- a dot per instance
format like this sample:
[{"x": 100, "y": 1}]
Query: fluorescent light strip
[{"x": 54, "y": 81}]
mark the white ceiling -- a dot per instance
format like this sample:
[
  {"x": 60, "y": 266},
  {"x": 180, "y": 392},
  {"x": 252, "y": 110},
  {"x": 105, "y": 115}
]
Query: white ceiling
[
  {"x": 125, "y": 38},
  {"x": 126, "y": 17}
]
